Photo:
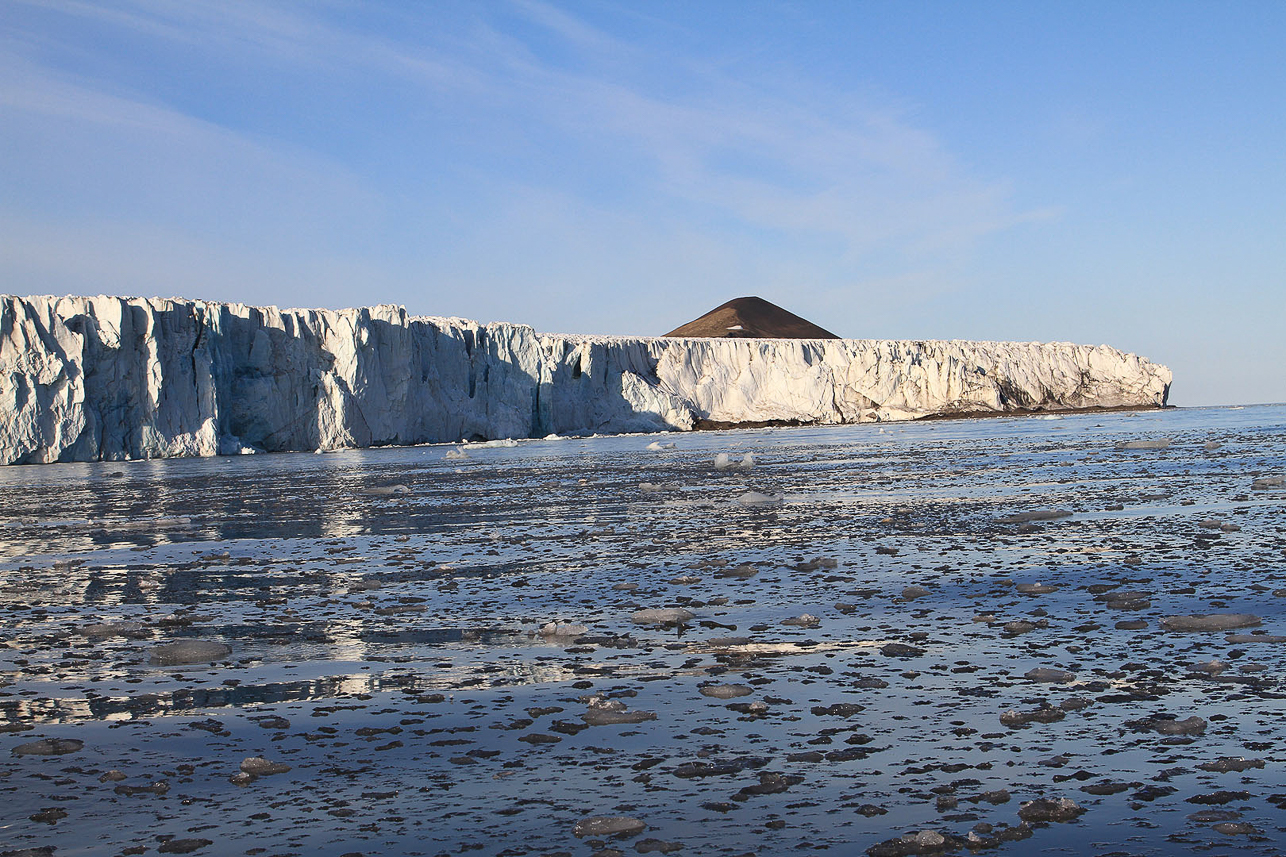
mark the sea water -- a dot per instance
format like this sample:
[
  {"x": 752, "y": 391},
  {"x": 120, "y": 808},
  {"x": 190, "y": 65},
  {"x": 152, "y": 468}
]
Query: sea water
[{"x": 424, "y": 636}]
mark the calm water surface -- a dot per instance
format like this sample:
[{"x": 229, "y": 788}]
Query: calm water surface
[{"x": 867, "y": 588}]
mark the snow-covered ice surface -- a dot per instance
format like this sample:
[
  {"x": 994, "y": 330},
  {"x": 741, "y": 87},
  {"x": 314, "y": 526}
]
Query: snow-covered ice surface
[
  {"x": 111, "y": 379},
  {"x": 896, "y": 647}
]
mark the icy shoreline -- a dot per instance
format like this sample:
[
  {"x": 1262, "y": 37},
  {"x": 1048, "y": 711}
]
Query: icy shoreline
[{"x": 111, "y": 378}]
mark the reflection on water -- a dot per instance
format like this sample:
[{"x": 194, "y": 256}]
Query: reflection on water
[
  {"x": 24, "y": 713},
  {"x": 457, "y": 642}
]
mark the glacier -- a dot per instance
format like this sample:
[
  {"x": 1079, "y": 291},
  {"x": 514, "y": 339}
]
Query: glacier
[{"x": 120, "y": 378}]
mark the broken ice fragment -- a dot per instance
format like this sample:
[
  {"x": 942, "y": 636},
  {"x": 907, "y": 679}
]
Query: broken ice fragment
[
  {"x": 661, "y": 616},
  {"x": 1209, "y": 622},
  {"x": 608, "y": 825},
  {"x": 188, "y": 652}
]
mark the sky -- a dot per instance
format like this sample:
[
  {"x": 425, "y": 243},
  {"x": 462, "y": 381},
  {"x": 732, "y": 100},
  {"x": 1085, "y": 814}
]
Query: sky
[{"x": 1095, "y": 172}]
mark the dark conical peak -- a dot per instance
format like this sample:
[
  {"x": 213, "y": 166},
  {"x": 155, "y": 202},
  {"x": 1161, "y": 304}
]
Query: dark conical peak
[{"x": 751, "y": 318}]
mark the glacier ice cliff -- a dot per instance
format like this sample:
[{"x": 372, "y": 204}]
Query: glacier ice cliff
[{"x": 110, "y": 378}]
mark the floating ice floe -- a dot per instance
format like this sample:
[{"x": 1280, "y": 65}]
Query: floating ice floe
[
  {"x": 562, "y": 629},
  {"x": 723, "y": 462},
  {"x": 387, "y": 490},
  {"x": 1169, "y": 724},
  {"x": 754, "y": 498},
  {"x": 49, "y": 747},
  {"x": 1050, "y": 809},
  {"x": 657, "y": 446},
  {"x": 745, "y": 571},
  {"x": 608, "y": 825},
  {"x": 724, "y": 691},
  {"x": 258, "y": 766},
  {"x": 1231, "y": 763},
  {"x": 1036, "y": 588},
  {"x": 1209, "y": 622},
  {"x": 661, "y": 616},
  {"x": 657, "y": 487},
  {"x": 612, "y": 712},
  {"x": 502, "y": 443},
  {"x": 1163, "y": 443},
  {"x": 115, "y": 629},
  {"x": 188, "y": 652},
  {"x": 1034, "y": 515}
]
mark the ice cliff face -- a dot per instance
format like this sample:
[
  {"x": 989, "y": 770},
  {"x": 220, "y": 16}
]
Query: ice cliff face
[{"x": 106, "y": 378}]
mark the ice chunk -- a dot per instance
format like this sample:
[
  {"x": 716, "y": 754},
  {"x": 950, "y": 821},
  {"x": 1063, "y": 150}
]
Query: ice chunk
[
  {"x": 1209, "y": 622},
  {"x": 1036, "y": 588},
  {"x": 1163, "y": 443},
  {"x": 1015, "y": 719},
  {"x": 387, "y": 490},
  {"x": 1170, "y": 725},
  {"x": 258, "y": 766},
  {"x": 657, "y": 446},
  {"x": 1049, "y": 809},
  {"x": 502, "y": 443},
  {"x": 115, "y": 629},
  {"x": 1231, "y": 763},
  {"x": 457, "y": 454},
  {"x": 49, "y": 747},
  {"x": 657, "y": 487},
  {"x": 723, "y": 462},
  {"x": 724, "y": 691},
  {"x": 1035, "y": 515},
  {"x": 661, "y": 616},
  {"x": 562, "y": 629},
  {"x": 754, "y": 498},
  {"x": 608, "y": 825},
  {"x": 188, "y": 652},
  {"x": 612, "y": 712}
]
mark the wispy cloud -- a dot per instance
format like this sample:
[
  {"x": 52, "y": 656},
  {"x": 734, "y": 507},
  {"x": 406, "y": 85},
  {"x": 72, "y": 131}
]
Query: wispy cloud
[
  {"x": 570, "y": 28},
  {"x": 531, "y": 117},
  {"x": 860, "y": 172}
]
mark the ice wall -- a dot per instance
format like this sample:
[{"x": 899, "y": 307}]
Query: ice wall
[{"x": 108, "y": 378}]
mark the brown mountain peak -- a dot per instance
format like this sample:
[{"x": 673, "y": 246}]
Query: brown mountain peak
[{"x": 751, "y": 318}]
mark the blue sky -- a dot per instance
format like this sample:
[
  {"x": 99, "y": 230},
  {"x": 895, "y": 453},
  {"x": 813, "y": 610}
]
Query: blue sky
[{"x": 1081, "y": 171}]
